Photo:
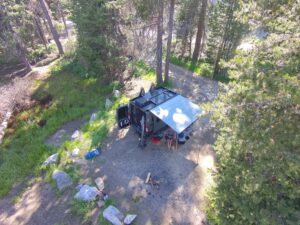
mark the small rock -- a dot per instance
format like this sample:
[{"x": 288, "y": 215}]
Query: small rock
[
  {"x": 100, "y": 203},
  {"x": 93, "y": 117},
  {"x": 87, "y": 193},
  {"x": 100, "y": 183},
  {"x": 129, "y": 219},
  {"x": 75, "y": 152},
  {"x": 63, "y": 180},
  {"x": 75, "y": 135},
  {"x": 52, "y": 159},
  {"x": 108, "y": 103},
  {"x": 113, "y": 215},
  {"x": 116, "y": 93}
]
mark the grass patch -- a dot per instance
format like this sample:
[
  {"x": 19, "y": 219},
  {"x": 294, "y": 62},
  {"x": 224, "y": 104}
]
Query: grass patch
[
  {"x": 146, "y": 72},
  {"x": 201, "y": 67},
  {"x": 23, "y": 151},
  {"x": 143, "y": 70},
  {"x": 82, "y": 209}
]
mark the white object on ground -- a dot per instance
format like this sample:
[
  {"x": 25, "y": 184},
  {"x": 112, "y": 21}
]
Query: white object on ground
[
  {"x": 108, "y": 103},
  {"x": 4, "y": 124},
  {"x": 63, "y": 180},
  {"x": 86, "y": 193},
  {"x": 129, "y": 219},
  {"x": 148, "y": 178},
  {"x": 113, "y": 215},
  {"x": 52, "y": 159},
  {"x": 116, "y": 93},
  {"x": 100, "y": 183},
  {"x": 75, "y": 152},
  {"x": 75, "y": 135},
  {"x": 93, "y": 117}
]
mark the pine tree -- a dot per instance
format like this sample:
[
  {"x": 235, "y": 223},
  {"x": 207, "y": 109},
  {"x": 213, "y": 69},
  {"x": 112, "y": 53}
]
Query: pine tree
[
  {"x": 9, "y": 36},
  {"x": 187, "y": 22},
  {"x": 160, "y": 15},
  {"x": 200, "y": 31},
  {"x": 55, "y": 35},
  {"x": 99, "y": 37},
  {"x": 169, "y": 43},
  {"x": 258, "y": 146},
  {"x": 225, "y": 33}
]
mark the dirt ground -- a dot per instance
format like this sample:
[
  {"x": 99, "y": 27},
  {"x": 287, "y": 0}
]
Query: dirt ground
[{"x": 183, "y": 174}]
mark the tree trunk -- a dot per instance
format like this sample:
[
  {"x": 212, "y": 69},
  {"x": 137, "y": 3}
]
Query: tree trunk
[
  {"x": 170, "y": 30},
  {"x": 189, "y": 25},
  {"x": 190, "y": 43},
  {"x": 184, "y": 44},
  {"x": 22, "y": 54},
  {"x": 62, "y": 17},
  {"x": 216, "y": 63},
  {"x": 200, "y": 31},
  {"x": 52, "y": 28},
  {"x": 159, "y": 42},
  {"x": 41, "y": 32}
]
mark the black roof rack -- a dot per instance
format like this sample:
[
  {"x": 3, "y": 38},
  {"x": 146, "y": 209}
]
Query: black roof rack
[{"x": 153, "y": 98}]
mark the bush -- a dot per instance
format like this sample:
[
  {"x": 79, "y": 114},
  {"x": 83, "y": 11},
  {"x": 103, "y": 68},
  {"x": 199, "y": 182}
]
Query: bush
[
  {"x": 37, "y": 54},
  {"x": 70, "y": 47}
]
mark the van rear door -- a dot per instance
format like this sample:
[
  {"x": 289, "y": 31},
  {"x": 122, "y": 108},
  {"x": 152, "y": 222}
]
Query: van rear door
[{"x": 122, "y": 116}]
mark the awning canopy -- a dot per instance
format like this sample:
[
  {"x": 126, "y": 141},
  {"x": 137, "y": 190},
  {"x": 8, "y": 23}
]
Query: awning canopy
[{"x": 178, "y": 113}]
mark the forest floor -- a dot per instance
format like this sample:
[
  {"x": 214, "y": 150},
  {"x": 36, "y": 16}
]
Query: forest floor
[
  {"x": 15, "y": 90},
  {"x": 183, "y": 174}
]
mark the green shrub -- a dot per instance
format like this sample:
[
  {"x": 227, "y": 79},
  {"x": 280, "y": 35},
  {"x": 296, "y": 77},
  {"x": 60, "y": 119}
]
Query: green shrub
[
  {"x": 82, "y": 209},
  {"x": 37, "y": 54},
  {"x": 99, "y": 40},
  {"x": 141, "y": 69}
]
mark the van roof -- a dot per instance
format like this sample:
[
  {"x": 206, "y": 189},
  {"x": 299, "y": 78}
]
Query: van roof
[{"x": 153, "y": 98}]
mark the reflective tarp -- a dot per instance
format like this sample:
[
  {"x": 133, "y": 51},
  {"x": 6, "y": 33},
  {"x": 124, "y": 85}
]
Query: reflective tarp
[{"x": 178, "y": 113}]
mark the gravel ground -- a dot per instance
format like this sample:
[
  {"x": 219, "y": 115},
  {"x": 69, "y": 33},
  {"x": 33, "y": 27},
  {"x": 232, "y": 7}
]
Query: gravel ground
[{"x": 183, "y": 174}]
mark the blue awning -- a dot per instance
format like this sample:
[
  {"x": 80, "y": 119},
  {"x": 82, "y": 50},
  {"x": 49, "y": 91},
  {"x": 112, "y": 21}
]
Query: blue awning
[{"x": 178, "y": 113}]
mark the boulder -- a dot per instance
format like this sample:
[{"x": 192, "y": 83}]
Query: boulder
[
  {"x": 129, "y": 219},
  {"x": 108, "y": 103},
  {"x": 113, "y": 215},
  {"x": 52, "y": 159},
  {"x": 63, "y": 180},
  {"x": 87, "y": 193},
  {"x": 100, "y": 183}
]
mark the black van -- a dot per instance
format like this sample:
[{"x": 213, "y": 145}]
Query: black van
[
  {"x": 151, "y": 113},
  {"x": 137, "y": 112}
]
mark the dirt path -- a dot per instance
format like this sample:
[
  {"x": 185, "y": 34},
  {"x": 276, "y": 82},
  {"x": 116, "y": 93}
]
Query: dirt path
[{"x": 183, "y": 174}]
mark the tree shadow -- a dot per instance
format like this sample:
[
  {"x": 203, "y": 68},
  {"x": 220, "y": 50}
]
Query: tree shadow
[{"x": 178, "y": 197}]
